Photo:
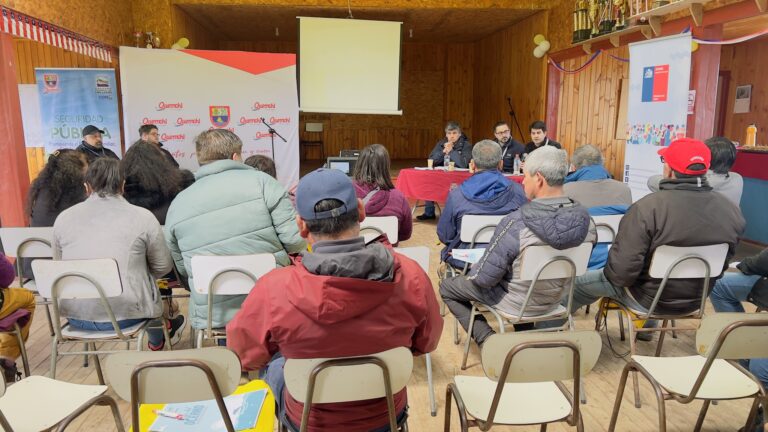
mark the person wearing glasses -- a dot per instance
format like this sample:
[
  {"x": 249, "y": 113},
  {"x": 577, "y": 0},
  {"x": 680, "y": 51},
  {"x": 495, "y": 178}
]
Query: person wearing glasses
[{"x": 510, "y": 147}]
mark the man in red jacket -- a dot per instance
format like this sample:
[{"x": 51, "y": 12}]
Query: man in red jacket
[{"x": 345, "y": 298}]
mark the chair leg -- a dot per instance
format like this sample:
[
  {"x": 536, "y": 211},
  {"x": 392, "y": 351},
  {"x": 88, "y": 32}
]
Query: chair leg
[
  {"x": 674, "y": 333},
  {"x": 582, "y": 393},
  {"x": 98, "y": 400},
  {"x": 621, "y": 325},
  {"x": 632, "y": 348},
  {"x": 22, "y": 349},
  {"x": 456, "y": 338},
  {"x": 580, "y": 424},
  {"x": 451, "y": 393},
  {"x": 85, "y": 357},
  {"x": 586, "y": 310},
  {"x": 442, "y": 308},
  {"x": 50, "y": 319},
  {"x": 661, "y": 338},
  {"x": 543, "y": 427},
  {"x": 702, "y": 414},
  {"x": 752, "y": 414},
  {"x": 469, "y": 337},
  {"x": 619, "y": 397},
  {"x": 97, "y": 364},
  {"x": 166, "y": 334},
  {"x": 199, "y": 343},
  {"x": 431, "y": 388},
  {"x": 599, "y": 315},
  {"x": 54, "y": 356}
]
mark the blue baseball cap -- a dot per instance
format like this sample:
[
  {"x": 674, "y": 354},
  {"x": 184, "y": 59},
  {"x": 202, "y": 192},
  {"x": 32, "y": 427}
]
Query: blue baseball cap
[{"x": 322, "y": 184}]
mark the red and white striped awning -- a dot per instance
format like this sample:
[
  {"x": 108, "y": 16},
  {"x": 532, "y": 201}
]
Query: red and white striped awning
[{"x": 24, "y": 26}]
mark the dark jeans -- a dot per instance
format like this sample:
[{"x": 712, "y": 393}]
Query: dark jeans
[
  {"x": 458, "y": 293},
  {"x": 155, "y": 335}
]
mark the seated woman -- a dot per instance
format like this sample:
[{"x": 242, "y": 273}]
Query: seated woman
[
  {"x": 373, "y": 184},
  {"x": 17, "y": 305},
  {"x": 107, "y": 226}
]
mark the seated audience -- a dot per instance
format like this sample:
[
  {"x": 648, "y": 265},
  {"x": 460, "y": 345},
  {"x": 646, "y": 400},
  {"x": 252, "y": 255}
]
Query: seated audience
[
  {"x": 16, "y": 305},
  {"x": 149, "y": 133},
  {"x": 685, "y": 212},
  {"x": 487, "y": 192},
  {"x": 550, "y": 218},
  {"x": 457, "y": 148},
  {"x": 58, "y": 187},
  {"x": 107, "y": 226},
  {"x": 510, "y": 147},
  {"x": 373, "y": 184},
  {"x": 539, "y": 137},
  {"x": 231, "y": 209},
  {"x": 345, "y": 298},
  {"x": 719, "y": 176},
  {"x": 92, "y": 145},
  {"x": 262, "y": 163},
  {"x": 151, "y": 181}
]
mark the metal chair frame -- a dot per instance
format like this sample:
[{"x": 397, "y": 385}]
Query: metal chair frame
[{"x": 209, "y": 332}]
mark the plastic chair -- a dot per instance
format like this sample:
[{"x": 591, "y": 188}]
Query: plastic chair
[
  {"x": 522, "y": 378},
  {"x": 58, "y": 403},
  {"x": 226, "y": 275},
  {"x": 420, "y": 254},
  {"x": 607, "y": 226},
  {"x": 538, "y": 263},
  {"x": 174, "y": 376},
  {"x": 15, "y": 330},
  {"x": 672, "y": 262},
  {"x": 349, "y": 379},
  {"x": 374, "y": 226},
  {"x": 75, "y": 280},
  {"x": 714, "y": 374}
]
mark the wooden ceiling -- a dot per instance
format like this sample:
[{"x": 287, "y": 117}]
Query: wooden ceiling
[
  {"x": 735, "y": 29},
  {"x": 248, "y": 22}
]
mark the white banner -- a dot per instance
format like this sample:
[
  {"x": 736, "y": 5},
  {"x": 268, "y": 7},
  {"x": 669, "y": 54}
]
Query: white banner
[
  {"x": 659, "y": 79},
  {"x": 184, "y": 92}
]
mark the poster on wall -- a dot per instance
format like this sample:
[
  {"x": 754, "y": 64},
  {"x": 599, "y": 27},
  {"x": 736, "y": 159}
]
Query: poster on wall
[
  {"x": 185, "y": 92},
  {"x": 30, "y": 115},
  {"x": 71, "y": 99},
  {"x": 659, "y": 77}
]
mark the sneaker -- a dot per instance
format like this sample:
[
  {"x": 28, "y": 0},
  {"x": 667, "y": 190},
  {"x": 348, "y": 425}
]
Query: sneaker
[
  {"x": 426, "y": 217},
  {"x": 10, "y": 372},
  {"x": 177, "y": 325}
]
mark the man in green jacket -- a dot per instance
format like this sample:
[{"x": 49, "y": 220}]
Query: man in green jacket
[{"x": 231, "y": 209}]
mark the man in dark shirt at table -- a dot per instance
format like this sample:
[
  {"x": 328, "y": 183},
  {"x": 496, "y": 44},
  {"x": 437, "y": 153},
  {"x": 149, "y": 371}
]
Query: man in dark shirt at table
[
  {"x": 539, "y": 137},
  {"x": 457, "y": 147},
  {"x": 510, "y": 147},
  {"x": 92, "y": 146}
]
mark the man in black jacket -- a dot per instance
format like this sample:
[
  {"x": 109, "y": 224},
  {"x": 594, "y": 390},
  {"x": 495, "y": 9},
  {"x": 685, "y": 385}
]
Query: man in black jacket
[
  {"x": 539, "y": 137},
  {"x": 510, "y": 147},
  {"x": 92, "y": 145}
]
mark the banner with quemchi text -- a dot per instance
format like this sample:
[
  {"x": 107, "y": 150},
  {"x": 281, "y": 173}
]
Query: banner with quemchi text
[
  {"x": 71, "y": 99},
  {"x": 184, "y": 92},
  {"x": 659, "y": 78}
]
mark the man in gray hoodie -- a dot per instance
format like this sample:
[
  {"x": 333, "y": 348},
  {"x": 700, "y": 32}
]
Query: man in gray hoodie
[{"x": 550, "y": 218}]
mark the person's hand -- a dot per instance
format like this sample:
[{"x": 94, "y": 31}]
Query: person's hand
[{"x": 448, "y": 147}]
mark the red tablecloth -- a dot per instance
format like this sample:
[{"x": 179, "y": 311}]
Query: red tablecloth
[
  {"x": 433, "y": 185},
  {"x": 750, "y": 164}
]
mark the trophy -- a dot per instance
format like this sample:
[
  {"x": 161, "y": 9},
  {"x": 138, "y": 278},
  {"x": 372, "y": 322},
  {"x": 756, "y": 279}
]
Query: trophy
[
  {"x": 621, "y": 8},
  {"x": 581, "y": 22},
  {"x": 606, "y": 21},
  {"x": 137, "y": 38}
]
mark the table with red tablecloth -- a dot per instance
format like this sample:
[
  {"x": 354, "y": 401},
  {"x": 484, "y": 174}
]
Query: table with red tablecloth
[
  {"x": 753, "y": 166},
  {"x": 433, "y": 185}
]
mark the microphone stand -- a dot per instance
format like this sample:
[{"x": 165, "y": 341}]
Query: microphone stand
[
  {"x": 514, "y": 117},
  {"x": 272, "y": 133}
]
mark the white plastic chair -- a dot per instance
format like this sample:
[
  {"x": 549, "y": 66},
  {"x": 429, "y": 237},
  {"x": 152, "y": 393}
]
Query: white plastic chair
[
  {"x": 38, "y": 403},
  {"x": 672, "y": 262},
  {"x": 75, "y": 280},
  {"x": 607, "y": 226},
  {"x": 714, "y": 374},
  {"x": 333, "y": 380},
  {"x": 420, "y": 254},
  {"x": 374, "y": 226},
  {"x": 226, "y": 275},
  {"x": 522, "y": 378}
]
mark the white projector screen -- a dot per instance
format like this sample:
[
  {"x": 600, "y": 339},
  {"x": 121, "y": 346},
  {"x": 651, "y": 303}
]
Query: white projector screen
[{"x": 349, "y": 66}]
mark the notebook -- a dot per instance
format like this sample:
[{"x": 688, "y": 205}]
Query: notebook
[{"x": 243, "y": 409}]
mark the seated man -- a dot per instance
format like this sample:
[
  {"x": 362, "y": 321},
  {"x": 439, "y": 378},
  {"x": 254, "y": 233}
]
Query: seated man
[
  {"x": 550, "y": 218},
  {"x": 510, "y": 147},
  {"x": 14, "y": 302},
  {"x": 345, "y": 298},
  {"x": 487, "y": 192},
  {"x": 106, "y": 226},
  {"x": 539, "y": 137},
  {"x": 685, "y": 212}
]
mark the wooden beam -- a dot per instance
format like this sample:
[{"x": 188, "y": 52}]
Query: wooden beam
[
  {"x": 615, "y": 40},
  {"x": 762, "y": 5},
  {"x": 647, "y": 32},
  {"x": 587, "y": 48},
  {"x": 655, "y": 23},
  {"x": 697, "y": 13}
]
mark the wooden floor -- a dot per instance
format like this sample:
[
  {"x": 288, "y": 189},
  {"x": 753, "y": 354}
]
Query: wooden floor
[{"x": 600, "y": 385}]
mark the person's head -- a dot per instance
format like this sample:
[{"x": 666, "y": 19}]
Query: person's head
[
  {"x": 486, "y": 155},
  {"x": 372, "y": 167},
  {"x": 62, "y": 179},
  {"x": 545, "y": 171},
  {"x": 327, "y": 206},
  {"x": 685, "y": 158},
  {"x": 146, "y": 170},
  {"x": 217, "y": 144},
  {"x": 502, "y": 132},
  {"x": 586, "y": 155},
  {"x": 105, "y": 177},
  {"x": 149, "y": 132},
  {"x": 262, "y": 163},
  {"x": 723, "y": 154},
  {"x": 452, "y": 131},
  {"x": 92, "y": 136},
  {"x": 538, "y": 131}
]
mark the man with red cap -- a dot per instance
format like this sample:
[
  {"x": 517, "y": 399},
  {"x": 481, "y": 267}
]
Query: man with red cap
[{"x": 684, "y": 212}]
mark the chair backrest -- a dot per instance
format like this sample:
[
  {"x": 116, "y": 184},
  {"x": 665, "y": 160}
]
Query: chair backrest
[
  {"x": 478, "y": 228},
  {"x": 26, "y": 242},
  {"x": 547, "y": 358},
  {"x": 77, "y": 279},
  {"x": 373, "y": 226},
  {"x": 745, "y": 341},
  {"x": 348, "y": 383},
  {"x": 665, "y": 257},
  {"x": 231, "y": 274},
  {"x": 168, "y": 379},
  {"x": 534, "y": 259},
  {"x": 607, "y": 226},
  {"x": 420, "y": 254}
]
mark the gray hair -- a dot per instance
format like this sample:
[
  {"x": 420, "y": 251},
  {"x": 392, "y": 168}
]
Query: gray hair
[
  {"x": 452, "y": 126},
  {"x": 217, "y": 144},
  {"x": 551, "y": 162},
  {"x": 586, "y": 155},
  {"x": 486, "y": 155}
]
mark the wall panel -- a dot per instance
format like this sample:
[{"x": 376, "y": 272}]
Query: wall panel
[{"x": 747, "y": 66}]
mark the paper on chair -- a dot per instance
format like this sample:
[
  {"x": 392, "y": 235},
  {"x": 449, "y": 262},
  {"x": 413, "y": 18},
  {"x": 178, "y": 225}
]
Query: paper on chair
[{"x": 468, "y": 255}]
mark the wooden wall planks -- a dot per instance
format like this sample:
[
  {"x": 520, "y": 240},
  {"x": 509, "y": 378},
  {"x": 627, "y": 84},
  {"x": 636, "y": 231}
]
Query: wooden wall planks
[{"x": 747, "y": 67}]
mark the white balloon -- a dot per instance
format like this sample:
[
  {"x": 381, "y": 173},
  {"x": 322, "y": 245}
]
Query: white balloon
[
  {"x": 537, "y": 52},
  {"x": 544, "y": 45},
  {"x": 176, "y": 46}
]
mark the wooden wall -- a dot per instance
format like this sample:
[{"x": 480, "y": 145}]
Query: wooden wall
[
  {"x": 185, "y": 26},
  {"x": 747, "y": 66},
  {"x": 588, "y": 107},
  {"x": 505, "y": 67}
]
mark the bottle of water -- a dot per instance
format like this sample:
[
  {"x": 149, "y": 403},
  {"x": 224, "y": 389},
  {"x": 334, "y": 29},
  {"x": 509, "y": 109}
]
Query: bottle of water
[
  {"x": 446, "y": 160},
  {"x": 516, "y": 166}
]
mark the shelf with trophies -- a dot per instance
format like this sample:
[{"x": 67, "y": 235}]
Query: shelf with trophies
[
  {"x": 599, "y": 20},
  {"x": 655, "y": 14}
]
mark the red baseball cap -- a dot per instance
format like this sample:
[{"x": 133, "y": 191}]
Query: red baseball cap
[{"x": 684, "y": 152}]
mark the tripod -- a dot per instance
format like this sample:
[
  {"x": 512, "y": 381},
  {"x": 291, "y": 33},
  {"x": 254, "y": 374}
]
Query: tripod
[{"x": 272, "y": 133}]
